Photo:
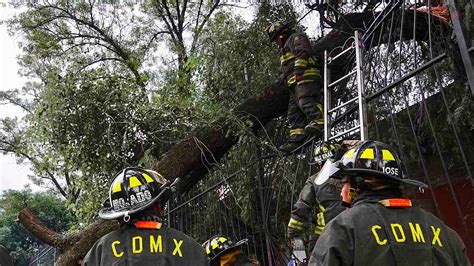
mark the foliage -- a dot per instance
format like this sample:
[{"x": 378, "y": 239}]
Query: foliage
[
  {"x": 253, "y": 201},
  {"x": 116, "y": 85},
  {"x": 48, "y": 208},
  {"x": 237, "y": 60}
]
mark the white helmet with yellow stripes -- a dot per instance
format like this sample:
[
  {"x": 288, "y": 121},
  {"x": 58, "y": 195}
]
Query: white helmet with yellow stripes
[
  {"x": 368, "y": 159},
  {"x": 133, "y": 190}
]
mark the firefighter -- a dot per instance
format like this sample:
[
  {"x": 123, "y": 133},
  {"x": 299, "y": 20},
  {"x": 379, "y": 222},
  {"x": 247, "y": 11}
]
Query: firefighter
[
  {"x": 382, "y": 227},
  {"x": 135, "y": 199},
  {"x": 221, "y": 251},
  {"x": 299, "y": 70},
  {"x": 324, "y": 198}
]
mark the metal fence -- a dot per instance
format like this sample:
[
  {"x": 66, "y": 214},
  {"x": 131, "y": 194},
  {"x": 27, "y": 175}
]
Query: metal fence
[
  {"x": 250, "y": 200},
  {"x": 46, "y": 256}
]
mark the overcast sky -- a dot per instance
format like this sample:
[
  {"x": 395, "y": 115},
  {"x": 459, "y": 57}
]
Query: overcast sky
[{"x": 12, "y": 175}]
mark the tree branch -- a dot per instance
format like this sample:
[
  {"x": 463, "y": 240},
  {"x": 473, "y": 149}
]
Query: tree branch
[
  {"x": 28, "y": 220},
  {"x": 15, "y": 150},
  {"x": 117, "y": 49},
  {"x": 201, "y": 26}
]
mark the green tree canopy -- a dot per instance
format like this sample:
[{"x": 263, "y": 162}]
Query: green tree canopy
[{"x": 117, "y": 85}]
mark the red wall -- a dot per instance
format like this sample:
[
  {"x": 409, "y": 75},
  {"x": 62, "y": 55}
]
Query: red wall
[{"x": 448, "y": 211}]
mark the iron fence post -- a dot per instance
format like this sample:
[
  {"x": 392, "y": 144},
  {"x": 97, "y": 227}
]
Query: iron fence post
[
  {"x": 464, "y": 42},
  {"x": 263, "y": 212}
]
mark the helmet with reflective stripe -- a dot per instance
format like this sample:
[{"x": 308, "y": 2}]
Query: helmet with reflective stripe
[
  {"x": 218, "y": 245},
  {"x": 132, "y": 190},
  {"x": 374, "y": 159},
  {"x": 277, "y": 28}
]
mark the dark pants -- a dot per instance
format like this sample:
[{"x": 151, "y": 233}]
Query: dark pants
[
  {"x": 310, "y": 244},
  {"x": 302, "y": 106}
]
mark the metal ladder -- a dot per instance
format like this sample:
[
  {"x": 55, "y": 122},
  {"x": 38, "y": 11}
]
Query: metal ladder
[{"x": 360, "y": 99}]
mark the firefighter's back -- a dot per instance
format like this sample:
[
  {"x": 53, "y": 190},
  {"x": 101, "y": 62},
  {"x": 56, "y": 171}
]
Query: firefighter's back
[{"x": 132, "y": 246}]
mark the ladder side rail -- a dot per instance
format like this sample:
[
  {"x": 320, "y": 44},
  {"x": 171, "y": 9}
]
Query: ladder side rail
[
  {"x": 360, "y": 90},
  {"x": 327, "y": 98}
]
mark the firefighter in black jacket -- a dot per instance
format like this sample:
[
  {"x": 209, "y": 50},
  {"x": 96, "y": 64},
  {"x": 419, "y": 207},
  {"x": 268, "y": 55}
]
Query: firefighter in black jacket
[
  {"x": 222, "y": 251},
  {"x": 382, "y": 227},
  {"x": 135, "y": 198},
  {"x": 302, "y": 76},
  {"x": 325, "y": 198}
]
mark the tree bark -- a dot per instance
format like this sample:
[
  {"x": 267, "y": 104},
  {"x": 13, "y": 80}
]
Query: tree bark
[
  {"x": 79, "y": 244},
  {"x": 27, "y": 218}
]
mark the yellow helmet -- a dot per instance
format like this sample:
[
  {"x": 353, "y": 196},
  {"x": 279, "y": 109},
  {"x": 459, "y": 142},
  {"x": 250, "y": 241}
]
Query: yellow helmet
[{"x": 219, "y": 244}]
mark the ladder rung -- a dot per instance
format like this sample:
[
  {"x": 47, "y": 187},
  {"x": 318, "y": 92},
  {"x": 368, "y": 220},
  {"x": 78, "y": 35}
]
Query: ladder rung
[
  {"x": 332, "y": 59},
  {"x": 343, "y": 78},
  {"x": 345, "y": 132},
  {"x": 342, "y": 105}
]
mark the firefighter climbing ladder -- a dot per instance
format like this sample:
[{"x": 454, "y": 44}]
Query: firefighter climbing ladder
[{"x": 329, "y": 131}]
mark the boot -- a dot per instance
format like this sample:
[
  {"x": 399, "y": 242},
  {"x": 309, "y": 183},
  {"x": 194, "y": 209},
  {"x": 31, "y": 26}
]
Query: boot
[
  {"x": 294, "y": 141},
  {"x": 314, "y": 128}
]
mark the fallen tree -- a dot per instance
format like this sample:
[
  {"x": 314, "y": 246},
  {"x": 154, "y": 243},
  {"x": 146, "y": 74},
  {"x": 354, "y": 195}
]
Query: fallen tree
[{"x": 186, "y": 159}]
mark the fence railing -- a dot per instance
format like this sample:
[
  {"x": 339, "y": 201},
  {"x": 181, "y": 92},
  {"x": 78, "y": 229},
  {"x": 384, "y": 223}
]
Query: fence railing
[{"x": 45, "y": 256}]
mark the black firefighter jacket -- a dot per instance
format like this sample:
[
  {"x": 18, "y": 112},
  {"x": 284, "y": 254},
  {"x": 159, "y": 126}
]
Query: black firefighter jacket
[
  {"x": 370, "y": 233},
  {"x": 132, "y": 246}
]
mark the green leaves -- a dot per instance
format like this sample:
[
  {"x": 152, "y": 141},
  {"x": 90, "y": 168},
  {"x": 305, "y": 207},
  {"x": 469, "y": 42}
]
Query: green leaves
[{"x": 236, "y": 60}]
